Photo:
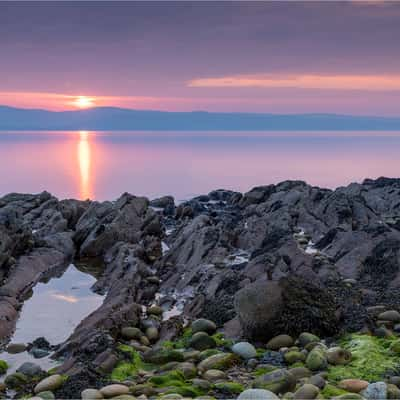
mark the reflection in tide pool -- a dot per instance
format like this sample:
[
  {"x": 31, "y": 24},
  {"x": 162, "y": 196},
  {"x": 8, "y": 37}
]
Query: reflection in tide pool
[
  {"x": 103, "y": 165},
  {"x": 53, "y": 311}
]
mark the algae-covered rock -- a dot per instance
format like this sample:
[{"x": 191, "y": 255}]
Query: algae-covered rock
[
  {"x": 162, "y": 356},
  {"x": 16, "y": 380},
  {"x": 292, "y": 357},
  {"x": 229, "y": 388},
  {"x": 280, "y": 341},
  {"x": 393, "y": 392},
  {"x": 306, "y": 392},
  {"x": 131, "y": 332},
  {"x": 202, "y": 341},
  {"x": 3, "y": 367},
  {"x": 219, "y": 361},
  {"x": 306, "y": 338},
  {"x": 278, "y": 381},
  {"x": 316, "y": 359}
]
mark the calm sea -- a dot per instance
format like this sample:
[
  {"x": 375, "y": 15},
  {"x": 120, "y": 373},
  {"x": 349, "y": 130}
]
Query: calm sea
[{"x": 102, "y": 165}]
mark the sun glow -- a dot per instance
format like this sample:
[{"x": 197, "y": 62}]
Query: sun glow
[{"x": 83, "y": 102}]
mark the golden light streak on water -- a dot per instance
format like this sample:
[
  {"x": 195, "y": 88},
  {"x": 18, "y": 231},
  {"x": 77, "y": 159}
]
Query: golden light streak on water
[{"x": 84, "y": 158}]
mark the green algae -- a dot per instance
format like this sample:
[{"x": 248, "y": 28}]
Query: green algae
[
  {"x": 264, "y": 370},
  {"x": 180, "y": 343},
  {"x": 229, "y": 387},
  {"x": 221, "y": 341},
  {"x": 372, "y": 359},
  {"x": 175, "y": 382},
  {"x": 3, "y": 367},
  {"x": 130, "y": 368},
  {"x": 330, "y": 391}
]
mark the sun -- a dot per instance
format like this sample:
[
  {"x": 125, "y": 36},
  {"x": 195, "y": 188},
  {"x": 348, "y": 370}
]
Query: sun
[{"x": 83, "y": 102}]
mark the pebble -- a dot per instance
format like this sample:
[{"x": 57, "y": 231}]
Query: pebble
[
  {"x": 114, "y": 390},
  {"x": 257, "y": 394},
  {"x": 353, "y": 385},
  {"x": 152, "y": 333},
  {"x": 306, "y": 392},
  {"x": 375, "y": 391},
  {"x": 391, "y": 315},
  {"x": 51, "y": 383},
  {"x": 213, "y": 375},
  {"x": 203, "y": 325},
  {"x": 280, "y": 341},
  {"x": 91, "y": 394},
  {"x": 46, "y": 395},
  {"x": 245, "y": 350},
  {"x": 202, "y": 341},
  {"x": 131, "y": 333},
  {"x": 30, "y": 369},
  {"x": 15, "y": 348}
]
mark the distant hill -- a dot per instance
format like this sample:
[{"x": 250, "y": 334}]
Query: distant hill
[{"x": 109, "y": 118}]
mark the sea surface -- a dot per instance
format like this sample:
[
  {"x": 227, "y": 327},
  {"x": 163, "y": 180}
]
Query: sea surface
[{"x": 102, "y": 165}]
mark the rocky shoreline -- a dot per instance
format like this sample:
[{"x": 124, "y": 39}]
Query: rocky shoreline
[{"x": 287, "y": 290}]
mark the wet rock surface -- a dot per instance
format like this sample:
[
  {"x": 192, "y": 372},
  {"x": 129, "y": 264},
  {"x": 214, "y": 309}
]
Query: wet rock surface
[{"x": 278, "y": 260}]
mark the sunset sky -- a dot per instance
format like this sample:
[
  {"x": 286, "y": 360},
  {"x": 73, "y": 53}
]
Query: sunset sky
[{"x": 281, "y": 57}]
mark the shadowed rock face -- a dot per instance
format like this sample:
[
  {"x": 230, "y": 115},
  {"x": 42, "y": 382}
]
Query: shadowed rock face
[{"x": 276, "y": 259}]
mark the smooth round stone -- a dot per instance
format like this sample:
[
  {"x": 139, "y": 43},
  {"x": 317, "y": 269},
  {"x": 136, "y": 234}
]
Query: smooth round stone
[
  {"x": 306, "y": 392},
  {"x": 300, "y": 372},
  {"x": 257, "y": 394},
  {"x": 202, "y": 341},
  {"x": 114, "y": 390},
  {"x": 91, "y": 394},
  {"x": 353, "y": 385},
  {"x": 316, "y": 359},
  {"x": 391, "y": 315},
  {"x": 131, "y": 332},
  {"x": 213, "y": 375},
  {"x": 51, "y": 383},
  {"x": 245, "y": 350},
  {"x": 39, "y": 353},
  {"x": 203, "y": 325},
  {"x": 201, "y": 384},
  {"x": 172, "y": 396},
  {"x": 305, "y": 338},
  {"x": 393, "y": 392},
  {"x": 30, "y": 369},
  {"x": 188, "y": 369},
  {"x": 318, "y": 381},
  {"x": 375, "y": 391},
  {"x": 15, "y": 348},
  {"x": 338, "y": 356},
  {"x": 280, "y": 341},
  {"x": 278, "y": 381},
  {"x": 46, "y": 395},
  {"x": 152, "y": 333},
  {"x": 155, "y": 310}
]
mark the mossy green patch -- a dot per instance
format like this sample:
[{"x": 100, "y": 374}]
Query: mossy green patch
[
  {"x": 3, "y": 367},
  {"x": 372, "y": 359},
  {"x": 221, "y": 341},
  {"x": 176, "y": 383},
  {"x": 180, "y": 343},
  {"x": 229, "y": 387},
  {"x": 330, "y": 391},
  {"x": 130, "y": 368},
  {"x": 264, "y": 370}
]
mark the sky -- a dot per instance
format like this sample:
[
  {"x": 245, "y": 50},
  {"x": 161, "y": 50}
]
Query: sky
[{"x": 274, "y": 57}]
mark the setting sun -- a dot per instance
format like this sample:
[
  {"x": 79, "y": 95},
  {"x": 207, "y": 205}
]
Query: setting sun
[{"x": 83, "y": 102}]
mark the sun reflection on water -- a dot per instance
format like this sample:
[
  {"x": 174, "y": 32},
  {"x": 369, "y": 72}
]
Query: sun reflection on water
[{"x": 84, "y": 157}]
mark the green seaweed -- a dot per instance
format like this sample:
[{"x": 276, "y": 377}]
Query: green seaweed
[
  {"x": 264, "y": 370},
  {"x": 3, "y": 367},
  {"x": 330, "y": 391},
  {"x": 180, "y": 343},
  {"x": 229, "y": 387},
  {"x": 372, "y": 359},
  {"x": 221, "y": 341},
  {"x": 129, "y": 369},
  {"x": 175, "y": 382}
]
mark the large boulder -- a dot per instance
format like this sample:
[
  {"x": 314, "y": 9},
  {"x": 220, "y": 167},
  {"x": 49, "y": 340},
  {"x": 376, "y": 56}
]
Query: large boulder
[{"x": 292, "y": 305}]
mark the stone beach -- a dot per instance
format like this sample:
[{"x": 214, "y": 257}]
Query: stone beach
[{"x": 286, "y": 291}]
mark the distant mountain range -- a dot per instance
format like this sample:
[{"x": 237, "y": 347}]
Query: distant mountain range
[{"x": 110, "y": 118}]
